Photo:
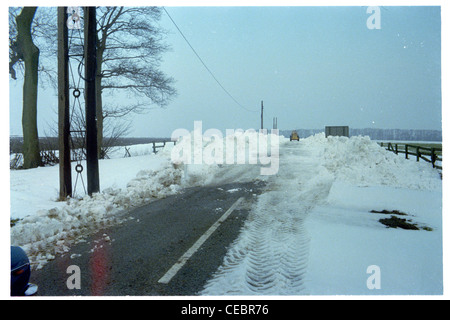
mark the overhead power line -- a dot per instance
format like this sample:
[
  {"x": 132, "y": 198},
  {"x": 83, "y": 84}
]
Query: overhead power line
[{"x": 204, "y": 64}]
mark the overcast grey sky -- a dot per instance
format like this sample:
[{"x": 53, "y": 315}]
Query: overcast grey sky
[{"x": 312, "y": 67}]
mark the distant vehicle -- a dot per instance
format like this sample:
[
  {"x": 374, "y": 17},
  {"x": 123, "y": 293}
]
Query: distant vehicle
[
  {"x": 294, "y": 136},
  {"x": 20, "y": 274}
]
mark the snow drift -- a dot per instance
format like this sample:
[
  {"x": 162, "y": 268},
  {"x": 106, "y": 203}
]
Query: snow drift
[
  {"x": 52, "y": 231},
  {"x": 311, "y": 231}
]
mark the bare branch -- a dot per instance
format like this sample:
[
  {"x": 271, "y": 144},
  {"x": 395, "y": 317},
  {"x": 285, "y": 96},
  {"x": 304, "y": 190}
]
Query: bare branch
[{"x": 131, "y": 47}]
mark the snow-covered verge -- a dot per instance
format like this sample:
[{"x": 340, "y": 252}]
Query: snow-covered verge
[
  {"x": 48, "y": 227},
  {"x": 310, "y": 232},
  {"x": 346, "y": 238},
  {"x": 35, "y": 189}
]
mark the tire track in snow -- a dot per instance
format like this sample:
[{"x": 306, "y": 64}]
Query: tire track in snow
[{"x": 270, "y": 256}]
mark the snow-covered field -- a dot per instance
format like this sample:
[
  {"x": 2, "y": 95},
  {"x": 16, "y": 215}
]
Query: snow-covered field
[{"x": 310, "y": 232}]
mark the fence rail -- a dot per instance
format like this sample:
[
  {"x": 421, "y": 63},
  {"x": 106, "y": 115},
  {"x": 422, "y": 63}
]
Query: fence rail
[
  {"x": 155, "y": 145},
  {"x": 50, "y": 156},
  {"x": 428, "y": 154}
]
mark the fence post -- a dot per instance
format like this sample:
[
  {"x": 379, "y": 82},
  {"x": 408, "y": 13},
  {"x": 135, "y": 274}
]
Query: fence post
[
  {"x": 396, "y": 148},
  {"x": 433, "y": 157},
  {"x": 406, "y": 151},
  {"x": 418, "y": 153}
]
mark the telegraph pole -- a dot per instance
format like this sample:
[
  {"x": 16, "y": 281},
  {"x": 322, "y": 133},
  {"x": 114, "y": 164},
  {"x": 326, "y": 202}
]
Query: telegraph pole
[
  {"x": 262, "y": 115},
  {"x": 90, "y": 71},
  {"x": 65, "y": 173}
]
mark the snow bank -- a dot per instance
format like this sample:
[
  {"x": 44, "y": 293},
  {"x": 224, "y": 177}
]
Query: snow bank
[
  {"x": 239, "y": 156},
  {"x": 346, "y": 238},
  {"x": 311, "y": 231},
  {"x": 38, "y": 188},
  {"x": 49, "y": 231},
  {"x": 361, "y": 161}
]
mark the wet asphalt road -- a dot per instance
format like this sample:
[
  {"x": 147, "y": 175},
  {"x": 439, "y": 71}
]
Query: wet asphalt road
[{"x": 130, "y": 258}]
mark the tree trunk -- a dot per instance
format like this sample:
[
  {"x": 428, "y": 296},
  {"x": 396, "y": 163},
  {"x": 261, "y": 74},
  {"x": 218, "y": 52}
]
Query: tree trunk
[{"x": 30, "y": 55}]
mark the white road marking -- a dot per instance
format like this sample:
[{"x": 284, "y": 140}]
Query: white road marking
[{"x": 185, "y": 257}]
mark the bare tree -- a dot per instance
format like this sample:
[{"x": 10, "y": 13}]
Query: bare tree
[
  {"x": 129, "y": 49},
  {"x": 113, "y": 131}
]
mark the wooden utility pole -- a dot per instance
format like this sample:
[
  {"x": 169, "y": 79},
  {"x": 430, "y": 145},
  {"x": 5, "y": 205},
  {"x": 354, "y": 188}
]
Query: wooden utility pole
[
  {"x": 65, "y": 172},
  {"x": 262, "y": 115},
  {"x": 90, "y": 71}
]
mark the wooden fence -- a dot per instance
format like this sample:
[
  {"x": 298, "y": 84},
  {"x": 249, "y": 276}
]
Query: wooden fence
[
  {"x": 156, "y": 145},
  {"x": 50, "y": 157},
  {"x": 432, "y": 155}
]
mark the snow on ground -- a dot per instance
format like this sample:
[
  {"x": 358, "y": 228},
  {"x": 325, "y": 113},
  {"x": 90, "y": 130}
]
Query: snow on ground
[
  {"x": 35, "y": 189},
  {"x": 310, "y": 232},
  {"x": 47, "y": 226},
  {"x": 410, "y": 261}
]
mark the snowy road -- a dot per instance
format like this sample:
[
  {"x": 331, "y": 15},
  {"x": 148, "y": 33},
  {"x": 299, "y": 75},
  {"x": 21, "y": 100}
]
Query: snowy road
[
  {"x": 130, "y": 258},
  {"x": 270, "y": 256}
]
